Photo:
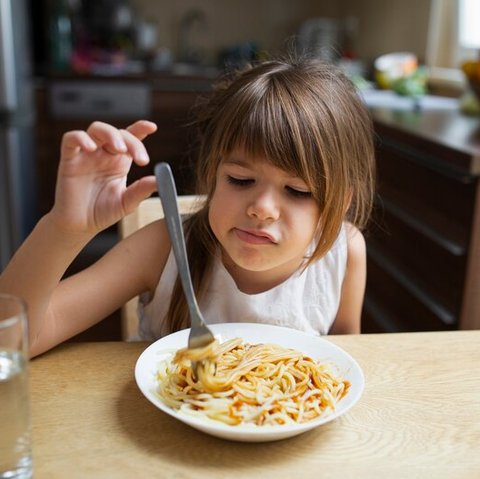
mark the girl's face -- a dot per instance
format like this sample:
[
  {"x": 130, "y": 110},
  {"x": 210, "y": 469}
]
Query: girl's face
[{"x": 263, "y": 217}]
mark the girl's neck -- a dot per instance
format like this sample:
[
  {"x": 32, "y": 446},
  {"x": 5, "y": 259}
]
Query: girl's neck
[{"x": 255, "y": 282}]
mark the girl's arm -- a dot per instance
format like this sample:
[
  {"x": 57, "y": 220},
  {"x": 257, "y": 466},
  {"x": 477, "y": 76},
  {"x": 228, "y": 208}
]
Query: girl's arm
[
  {"x": 131, "y": 267},
  {"x": 91, "y": 194},
  {"x": 349, "y": 312}
]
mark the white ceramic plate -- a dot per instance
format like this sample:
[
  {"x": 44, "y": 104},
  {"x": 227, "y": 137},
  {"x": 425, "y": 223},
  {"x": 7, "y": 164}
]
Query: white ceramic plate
[{"x": 313, "y": 346}]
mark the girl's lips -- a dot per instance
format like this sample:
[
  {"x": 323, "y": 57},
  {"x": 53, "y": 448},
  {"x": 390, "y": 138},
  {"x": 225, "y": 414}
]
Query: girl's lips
[{"x": 254, "y": 237}]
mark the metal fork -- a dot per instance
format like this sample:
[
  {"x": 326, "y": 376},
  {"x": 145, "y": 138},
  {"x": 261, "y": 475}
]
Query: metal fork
[{"x": 200, "y": 334}]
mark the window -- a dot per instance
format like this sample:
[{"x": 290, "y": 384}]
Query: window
[
  {"x": 453, "y": 37},
  {"x": 469, "y": 28}
]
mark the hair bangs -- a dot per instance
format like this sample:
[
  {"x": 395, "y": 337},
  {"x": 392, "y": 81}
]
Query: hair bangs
[{"x": 263, "y": 126}]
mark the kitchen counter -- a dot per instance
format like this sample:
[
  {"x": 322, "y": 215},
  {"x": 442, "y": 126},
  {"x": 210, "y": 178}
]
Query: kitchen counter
[
  {"x": 418, "y": 417},
  {"x": 453, "y": 138}
]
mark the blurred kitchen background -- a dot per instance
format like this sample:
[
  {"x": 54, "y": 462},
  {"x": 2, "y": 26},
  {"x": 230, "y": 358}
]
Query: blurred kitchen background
[{"x": 65, "y": 63}]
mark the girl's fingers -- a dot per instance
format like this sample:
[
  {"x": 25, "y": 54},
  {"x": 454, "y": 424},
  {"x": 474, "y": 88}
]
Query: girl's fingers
[
  {"x": 112, "y": 140},
  {"x": 137, "y": 192},
  {"x": 73, "y": 141},
  {"x": 135, "y": 148},
  {"x": 116, "y": 141},
  {"x": 107, "y": 136},
  {"x": 141, "y": 129}
]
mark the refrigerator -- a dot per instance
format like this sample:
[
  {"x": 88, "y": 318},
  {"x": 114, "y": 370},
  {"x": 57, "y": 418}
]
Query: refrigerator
[{"x": 18, "y": 211}]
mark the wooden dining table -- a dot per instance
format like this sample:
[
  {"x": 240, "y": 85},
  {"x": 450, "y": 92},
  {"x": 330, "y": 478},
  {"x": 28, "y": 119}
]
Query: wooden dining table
[{"x": 418, "y": 417}]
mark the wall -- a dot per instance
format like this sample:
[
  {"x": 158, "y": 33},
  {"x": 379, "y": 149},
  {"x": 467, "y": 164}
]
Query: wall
[
  {"x": 383, "y": 26},
  {"x": 267, "y": 22},
  {"x": 388, "y": 26}
]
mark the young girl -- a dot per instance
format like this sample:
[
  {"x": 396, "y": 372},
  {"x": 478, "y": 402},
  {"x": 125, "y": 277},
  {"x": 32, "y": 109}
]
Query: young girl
[{"x": 286, "y": 163}]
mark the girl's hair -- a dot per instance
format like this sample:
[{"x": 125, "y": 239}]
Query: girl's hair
[{"x": 305, "y": 117}]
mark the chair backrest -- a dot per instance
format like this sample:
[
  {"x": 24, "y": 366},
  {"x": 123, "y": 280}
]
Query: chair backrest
[{"x": 148, "y": 211}]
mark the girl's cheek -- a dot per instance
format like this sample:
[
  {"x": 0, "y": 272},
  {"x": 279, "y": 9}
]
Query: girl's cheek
[{"x": 214, "y": 212}]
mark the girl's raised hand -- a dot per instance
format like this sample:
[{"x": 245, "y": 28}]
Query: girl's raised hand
[{"x": 91, "y": 192}]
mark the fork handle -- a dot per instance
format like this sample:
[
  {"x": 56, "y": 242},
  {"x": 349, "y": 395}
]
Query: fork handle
[{"x": 168, "y": 195}]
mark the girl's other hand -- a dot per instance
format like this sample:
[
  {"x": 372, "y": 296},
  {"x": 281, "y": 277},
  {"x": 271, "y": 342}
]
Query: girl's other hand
[{"x": 91, "y": 192}]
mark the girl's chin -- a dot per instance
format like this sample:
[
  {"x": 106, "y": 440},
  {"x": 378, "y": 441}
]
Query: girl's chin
[{"x": 249, "y": 261}]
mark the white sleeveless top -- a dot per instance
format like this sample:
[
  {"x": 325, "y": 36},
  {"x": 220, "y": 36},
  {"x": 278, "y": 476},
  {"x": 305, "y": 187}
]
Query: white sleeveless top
[{"x": 308, "y": 300}]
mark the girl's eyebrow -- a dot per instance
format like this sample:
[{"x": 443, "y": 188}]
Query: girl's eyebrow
[{"x": 238, "y": 162}]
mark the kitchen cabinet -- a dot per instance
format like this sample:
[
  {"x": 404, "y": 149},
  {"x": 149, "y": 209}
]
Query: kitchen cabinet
[{"x": 424, "y": 241}]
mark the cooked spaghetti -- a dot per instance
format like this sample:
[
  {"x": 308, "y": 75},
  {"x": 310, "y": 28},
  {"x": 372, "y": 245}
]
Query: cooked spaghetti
[{"x": 239, "y": 383}]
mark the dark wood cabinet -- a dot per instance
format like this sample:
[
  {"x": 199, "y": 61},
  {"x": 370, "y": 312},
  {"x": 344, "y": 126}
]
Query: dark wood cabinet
[{"x": 423, "y": 245}]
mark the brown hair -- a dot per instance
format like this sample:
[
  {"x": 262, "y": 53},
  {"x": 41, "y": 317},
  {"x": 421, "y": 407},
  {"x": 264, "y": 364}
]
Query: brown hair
[{"x": 306, "y": 118}]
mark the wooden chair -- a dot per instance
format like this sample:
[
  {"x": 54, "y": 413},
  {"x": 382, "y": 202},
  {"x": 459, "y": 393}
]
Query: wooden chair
[{"x": 148, "y": 211}]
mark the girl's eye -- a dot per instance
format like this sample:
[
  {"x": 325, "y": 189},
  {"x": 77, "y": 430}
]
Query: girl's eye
[
  {"x": 239, "y": 181},
  {"x": 298, "y": 193}
]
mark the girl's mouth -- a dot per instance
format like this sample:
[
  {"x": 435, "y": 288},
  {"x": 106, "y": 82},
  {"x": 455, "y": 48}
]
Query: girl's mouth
[{"x": 254, "y": 237}]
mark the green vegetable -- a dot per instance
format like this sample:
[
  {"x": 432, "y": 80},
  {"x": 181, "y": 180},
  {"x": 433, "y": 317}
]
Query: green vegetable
[{"x": 411, "y": 85}]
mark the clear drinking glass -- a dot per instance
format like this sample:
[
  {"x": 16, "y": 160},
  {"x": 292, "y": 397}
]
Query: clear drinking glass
[{"x": 15, "y": 436}]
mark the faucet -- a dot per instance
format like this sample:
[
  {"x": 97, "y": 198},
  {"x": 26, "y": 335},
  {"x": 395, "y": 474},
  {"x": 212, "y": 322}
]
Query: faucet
[{"x": 188, "y": 52}]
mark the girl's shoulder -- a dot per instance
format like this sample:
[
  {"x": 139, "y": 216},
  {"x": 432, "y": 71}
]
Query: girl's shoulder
[{"x": 356, "y": 246}]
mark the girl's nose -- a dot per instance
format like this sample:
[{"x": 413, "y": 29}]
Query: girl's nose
[{"x": 264, "y": 206}]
